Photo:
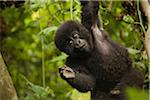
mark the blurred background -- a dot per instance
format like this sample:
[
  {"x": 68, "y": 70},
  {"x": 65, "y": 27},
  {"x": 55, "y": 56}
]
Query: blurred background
[{"x": 27, "y": 30}]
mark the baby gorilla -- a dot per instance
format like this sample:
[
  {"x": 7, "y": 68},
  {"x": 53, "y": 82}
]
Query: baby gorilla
[{"x": 74, "y": 39}]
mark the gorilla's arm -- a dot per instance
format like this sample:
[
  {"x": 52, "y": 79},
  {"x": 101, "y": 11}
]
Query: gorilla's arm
[
  {"x": 79, "y": 80},
  {"x": 77, "y": 76},
  {"x": 90, "y": 19},
  {"x": 89, "y": 15}
]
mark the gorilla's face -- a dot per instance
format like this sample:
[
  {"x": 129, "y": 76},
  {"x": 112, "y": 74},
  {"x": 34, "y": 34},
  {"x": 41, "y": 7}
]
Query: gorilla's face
[
  {"x": 74, "y": 39},
  {"x": 77, "y": 45}
]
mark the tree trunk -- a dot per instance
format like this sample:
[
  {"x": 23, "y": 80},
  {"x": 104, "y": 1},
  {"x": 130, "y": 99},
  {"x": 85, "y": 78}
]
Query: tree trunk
[
  {"x": 7, "y": 90},
  {"x": 146, "y": 8}
]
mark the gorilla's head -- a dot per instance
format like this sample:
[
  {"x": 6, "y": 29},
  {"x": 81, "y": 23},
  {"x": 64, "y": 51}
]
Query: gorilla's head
[{"x": 74, "y": 39}]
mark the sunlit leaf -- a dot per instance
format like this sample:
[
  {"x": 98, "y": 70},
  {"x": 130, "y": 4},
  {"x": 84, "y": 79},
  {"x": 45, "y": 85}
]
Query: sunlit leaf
[
  {"x": 75, "y": 95},
  {"x": 133, "y": 51},
  {"x": 128, "y": 19},
  {"x": 59, "y": 58},
  {"x": 49, "y": 29}
]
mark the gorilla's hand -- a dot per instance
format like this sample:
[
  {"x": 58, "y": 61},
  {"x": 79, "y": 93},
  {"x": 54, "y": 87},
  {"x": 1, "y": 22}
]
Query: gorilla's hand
[
  {"x": 66, "y": 72},
  {"x": 78, "y": 78}
]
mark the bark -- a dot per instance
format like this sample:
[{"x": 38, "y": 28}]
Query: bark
[
  {"x": 146, "y": 9},
  {"x": 7, "y": 90}
]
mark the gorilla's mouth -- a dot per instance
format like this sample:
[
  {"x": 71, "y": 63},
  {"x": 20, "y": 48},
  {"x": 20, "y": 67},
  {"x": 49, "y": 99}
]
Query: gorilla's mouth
[
  {"x": 83, "y": 46},
  {"x": 80, "y": 47}
]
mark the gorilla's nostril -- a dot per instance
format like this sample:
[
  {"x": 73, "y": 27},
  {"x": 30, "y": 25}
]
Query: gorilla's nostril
[{"x": 79, "y": 41}]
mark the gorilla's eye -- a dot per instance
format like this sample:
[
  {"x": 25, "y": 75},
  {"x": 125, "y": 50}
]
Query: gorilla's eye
[
  {"x": 71, "y": 42},
  {"x": 75, "y": 35}
]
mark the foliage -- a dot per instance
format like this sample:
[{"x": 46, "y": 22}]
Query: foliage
[
  {"x": 29, "y": 49},
  {"x": 37, "y": 92},
  {"x": 136, "y": 94}
]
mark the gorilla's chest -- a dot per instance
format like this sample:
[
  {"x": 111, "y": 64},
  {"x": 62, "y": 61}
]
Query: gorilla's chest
[{"x": 104, "y": 68}]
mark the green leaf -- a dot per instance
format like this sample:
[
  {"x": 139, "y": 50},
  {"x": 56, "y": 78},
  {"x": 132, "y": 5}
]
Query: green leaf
[
  {"x": 133, "y": 51},
  {"x": 128, "y": 19},
  {"x": 75, "y": 95},
  {"x": 59, "y": 58},
  {"x": 49, "y": 29},
  {"x": 38, "y": 91},
  {"x": 46, "y": 31}
]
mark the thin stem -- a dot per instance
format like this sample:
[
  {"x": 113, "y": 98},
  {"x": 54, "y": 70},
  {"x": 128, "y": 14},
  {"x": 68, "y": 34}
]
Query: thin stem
[
  {"x": 139, "y": 15},
  {"x": 110, "y": 6},
  {"x": 43, "y": 63},
  {"x": 100, "y": 18},
  {"x": 71, "y": 5}
]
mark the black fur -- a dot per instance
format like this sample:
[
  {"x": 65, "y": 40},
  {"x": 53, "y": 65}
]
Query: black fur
[{"x": 102, "y": 66}]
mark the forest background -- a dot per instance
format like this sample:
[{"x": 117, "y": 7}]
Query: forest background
[{"x": 28, "y": 49}]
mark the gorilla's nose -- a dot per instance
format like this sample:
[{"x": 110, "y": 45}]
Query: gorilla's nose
[{"x": 78, "y": 43}]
